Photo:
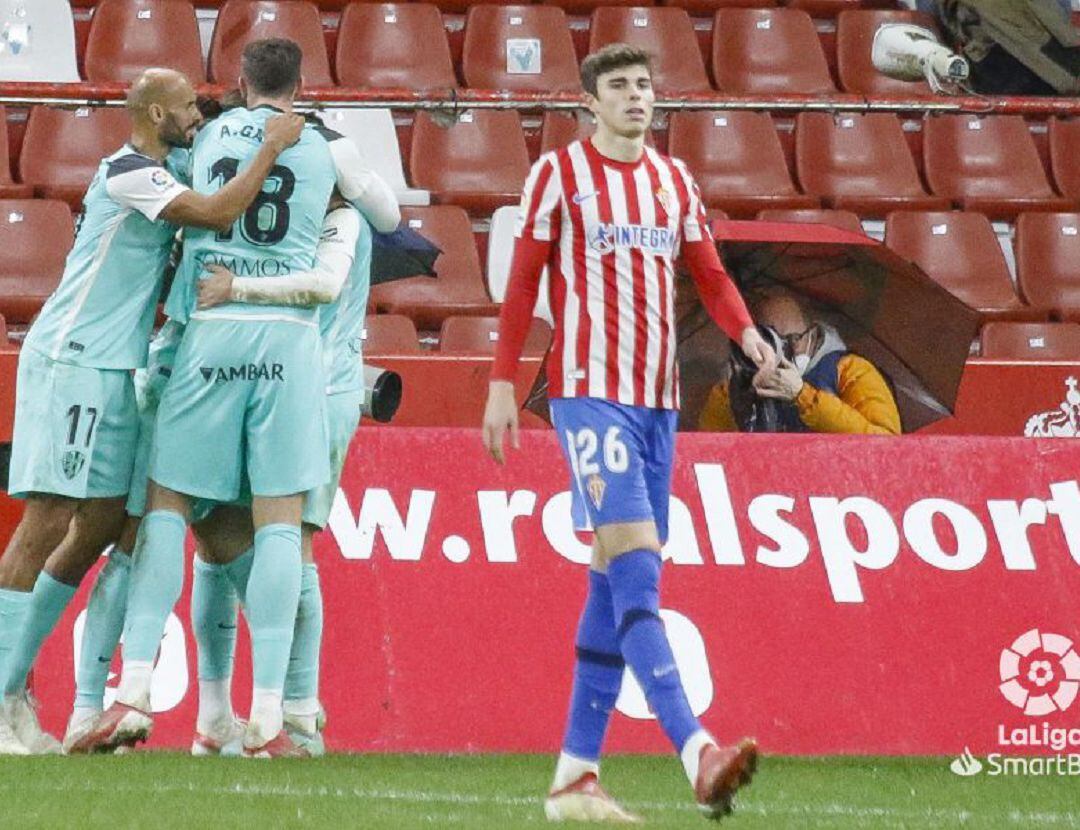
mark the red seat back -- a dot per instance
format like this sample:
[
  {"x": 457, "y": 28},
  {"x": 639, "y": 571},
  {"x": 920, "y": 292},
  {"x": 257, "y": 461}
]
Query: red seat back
[
  {"x": 768, "y": 51},
  {"x": 1048, "y": 261},
  {"x": 1064, "y": 152},
  {"x": 389, "y": 334},
  {"x": 62, "y": 149},
  {"x": 1030, "y": 341},
  {"x": 8, "y": 189},
  {"x": 480, "y": 161},
  {"x": 666, "y": 33},
  {"x": 479, "y": 335},
  {"x": 126, "y": 36},
  {"x": 960, "y": 252},
  {"x": 736, "y": 158},
  {"x": 843, "y": 219},
  {"x": 377, "y": 47},
  {"x": 855, "y": 32},
  {"x": 35, "y": 238},
  {"x": 241, "y": 21},
  {"x": 521, "y": 48}
]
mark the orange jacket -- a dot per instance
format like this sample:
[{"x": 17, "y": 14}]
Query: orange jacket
[{"x": 864, "y": 406}]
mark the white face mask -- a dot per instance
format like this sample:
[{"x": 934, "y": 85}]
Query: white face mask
[{"x": 802, "y": 363}]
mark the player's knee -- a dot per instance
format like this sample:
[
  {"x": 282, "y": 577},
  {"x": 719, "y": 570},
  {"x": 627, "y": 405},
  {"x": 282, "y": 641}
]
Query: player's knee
[{"x": 47, "y": 517}]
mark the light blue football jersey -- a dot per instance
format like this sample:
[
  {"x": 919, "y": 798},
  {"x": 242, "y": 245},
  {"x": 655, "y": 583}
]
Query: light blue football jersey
[
  {"x": 342, "y": 321},
  {"x": 277, "y": 235},
  {"x": 101, "y": 314}
]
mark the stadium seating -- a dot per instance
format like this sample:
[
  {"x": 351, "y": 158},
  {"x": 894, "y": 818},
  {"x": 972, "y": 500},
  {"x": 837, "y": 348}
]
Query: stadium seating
[
  {"x": 389, "y": 334},
  {"x": 479, "y": 162},
  {"x": 1030, "y": 341},
  {"x": 1064, "y": 152},
  {"x": 768, "y": 51},
  {"x": 126, "y": 36},
  {"x": 62, "y": 149},
  {"x": 854, "y": 36},
  {"x": 479, "y": 335},
  {"x": 825, "y": 8},
  {"x": 987, "y": 163},
  {"x": 378, "y": 46},
  {"x": 705, "y": 8},
  {"x": 737, "y": 160},
  {"x": 37, "y": 41},
  {"x": 667, "y": 33},
  {"x": 35, "y": 237},
  {"x": 500, "y": 252},
  {"x": 1048, "y": 262},
  {"x": 588, "y": 6},
  {"x": 859, "y": 163},
  {"x": 843, "y": 219},
  {"x": 458, "y": 287},
  {"x": 242, "y": 21},
  {"x": 4, "y": 339},
  {"x": 8, "y": 189},
  {"x": 560, "y": 128},
  {"x": 519, "y": 48},
  {"x": 373, "y": 132},
  {"x": 960, "y": 252}
]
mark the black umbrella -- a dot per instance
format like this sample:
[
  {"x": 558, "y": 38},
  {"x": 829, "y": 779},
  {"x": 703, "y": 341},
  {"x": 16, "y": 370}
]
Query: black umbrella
[
  {"x": 883, "y": 307},
  {"x": 400, "y": 254}
]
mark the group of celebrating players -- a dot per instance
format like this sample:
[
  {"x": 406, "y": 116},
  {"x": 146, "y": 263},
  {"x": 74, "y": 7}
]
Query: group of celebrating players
[{"x": 236, "y": 417}]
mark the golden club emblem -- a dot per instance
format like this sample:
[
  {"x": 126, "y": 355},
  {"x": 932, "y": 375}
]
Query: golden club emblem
[{"x": 596, "y": 486}]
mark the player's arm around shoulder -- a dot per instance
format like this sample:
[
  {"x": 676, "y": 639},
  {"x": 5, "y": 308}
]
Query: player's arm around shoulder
[
  {"x": 361, "y": 186},
  {"x": 219, "y": 210}
]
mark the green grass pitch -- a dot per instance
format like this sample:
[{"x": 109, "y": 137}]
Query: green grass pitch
[{"x": 162, "y": 790}]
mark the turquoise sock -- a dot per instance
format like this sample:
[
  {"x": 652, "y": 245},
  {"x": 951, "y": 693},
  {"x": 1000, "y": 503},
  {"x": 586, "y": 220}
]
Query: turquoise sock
[
  {"x": 157, "y": 577},
  {"x": 14, "y": 606},
  {"x": 213, "y": 619},
  {"x": 239, "y": 571},
  {"x": 273, "y": 593},
  {"x": 47, "y": 602},
  {"x": 302, "y": 679},
  {"x": 101, "y": 630}
]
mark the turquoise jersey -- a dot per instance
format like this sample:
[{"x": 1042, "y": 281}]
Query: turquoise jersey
[
  {"x": 342, "y": 322},
  {"x": 278, "y": 233},
  {"x": 101, "y": 314}
]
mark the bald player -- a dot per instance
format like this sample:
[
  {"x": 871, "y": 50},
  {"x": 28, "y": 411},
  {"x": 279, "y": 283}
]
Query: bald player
[{"x": 76, "y": 422}]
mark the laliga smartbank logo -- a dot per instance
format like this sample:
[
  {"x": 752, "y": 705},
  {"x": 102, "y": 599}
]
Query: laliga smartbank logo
[{"x": 1040, "y": 675}]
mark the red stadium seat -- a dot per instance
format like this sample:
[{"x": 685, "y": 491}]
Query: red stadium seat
[
  {"x": 8, "y": 188},
  {"x": 463, "y": 6},
  {"x": 478, "y": 335},
  {"x": 989, "y": 164},
  {"x": 705, "y": 8},
  {"x": 737, "y": 160},
  {"x": 241, "y": 21},
  {"x": 520, "y": 48},
  {"x": 126, "y": 36},
  {"x": 458, "y": 287},
  {"x": 1048, "y": 262},
  {"x": 1030, "y": 341},
  {"x": 389, "y": 334},
  {"x": 377, "y": 47},
  {"x": 667, "y": 33},
  {"x": 859, "y": 163},
  {"x": 854, "y": 36},
  {"x": 843, "y": 219},
  {"x": 63, "y": 148},
  {"x": 825, "y": 8},
  {"x": 768, "y": 51},
  {"x": 4, "y": 340},
  {"x": 560, "y": 128},
  {"x": 960, "y": 252},
  {"x": 35, "y": 237},
  {"x": 1064, "y": 152},
  {"x": 588, "y": 6},
  {"x": 479, "y": 162}
]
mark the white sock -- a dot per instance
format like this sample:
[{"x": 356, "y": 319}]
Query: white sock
[
  {"x": 266, "y": 713},
  {"x": 135, "y": 684},
  {"x": 303, "y": 712},
  {"x": 215, "y": 704},
  {"x": 691, "y": 753},
  {"x": 569, "y": 769}
]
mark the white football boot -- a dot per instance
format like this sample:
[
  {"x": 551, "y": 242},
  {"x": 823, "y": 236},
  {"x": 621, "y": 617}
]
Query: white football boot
[
  {"x": 585, "y": 800},
  {"x": 20, "y": 712}
]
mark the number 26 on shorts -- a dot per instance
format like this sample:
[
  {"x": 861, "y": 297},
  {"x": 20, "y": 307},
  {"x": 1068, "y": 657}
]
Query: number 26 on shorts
[{"x": 583, "y": 448}]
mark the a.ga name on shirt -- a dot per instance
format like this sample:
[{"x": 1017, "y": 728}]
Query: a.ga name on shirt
[{"x": 250, "y": 131}]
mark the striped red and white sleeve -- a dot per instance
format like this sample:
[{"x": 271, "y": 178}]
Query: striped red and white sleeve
[{"x": 537, "y": 229}]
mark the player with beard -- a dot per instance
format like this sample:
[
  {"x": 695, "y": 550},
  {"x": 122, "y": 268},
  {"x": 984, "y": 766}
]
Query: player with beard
[{"x": 76, "y": 421}]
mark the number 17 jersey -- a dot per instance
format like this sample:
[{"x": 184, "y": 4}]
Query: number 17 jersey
[{"x": 277, "y": 235}]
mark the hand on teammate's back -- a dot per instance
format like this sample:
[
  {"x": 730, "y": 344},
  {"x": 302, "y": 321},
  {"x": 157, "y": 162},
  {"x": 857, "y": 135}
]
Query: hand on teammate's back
[
  {"x": 500, "y": 414},
  {"x": 283, "y": 130},
  {"x": 216, "y": 288}
]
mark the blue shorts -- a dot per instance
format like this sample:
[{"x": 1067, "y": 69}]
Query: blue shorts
[{"x": 620, "y": 460}]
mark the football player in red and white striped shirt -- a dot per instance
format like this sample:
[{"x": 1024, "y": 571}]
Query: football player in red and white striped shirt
[{"x": 608, "y": 217}]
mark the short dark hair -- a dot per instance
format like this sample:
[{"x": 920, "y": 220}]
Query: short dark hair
[
  {"x": 611, "y": 57},
  {"x": 272, "y": 66}
]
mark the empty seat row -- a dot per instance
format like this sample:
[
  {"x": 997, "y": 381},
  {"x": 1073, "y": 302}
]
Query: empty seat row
[
  {"x": 819, "y": 8},
  {"x": 516, "y": 47},
  {"x": 397, "y": 334},
  {"x": 857, "y": 162}
]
